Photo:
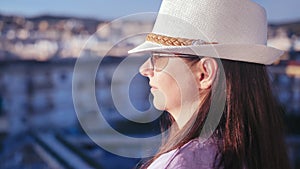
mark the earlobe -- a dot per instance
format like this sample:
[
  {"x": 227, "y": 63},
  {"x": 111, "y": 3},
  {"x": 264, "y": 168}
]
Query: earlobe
[{"x": 207, "y": 68}]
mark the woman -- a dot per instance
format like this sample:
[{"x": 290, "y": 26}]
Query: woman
[{"x": 207, "y": 70}]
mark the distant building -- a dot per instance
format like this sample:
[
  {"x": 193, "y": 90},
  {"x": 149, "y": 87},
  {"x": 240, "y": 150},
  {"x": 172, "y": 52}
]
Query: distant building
[{"x": 38, "y": 95}]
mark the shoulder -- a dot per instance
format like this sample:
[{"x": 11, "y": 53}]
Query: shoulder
[{"x": 197, "y": 153}]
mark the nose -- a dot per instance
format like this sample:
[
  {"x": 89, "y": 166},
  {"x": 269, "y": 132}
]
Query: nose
[{"x": 146, "y": 69}]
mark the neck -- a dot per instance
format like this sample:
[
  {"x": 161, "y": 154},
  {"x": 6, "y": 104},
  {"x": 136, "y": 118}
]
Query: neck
[{"x": 183, "y": 114}]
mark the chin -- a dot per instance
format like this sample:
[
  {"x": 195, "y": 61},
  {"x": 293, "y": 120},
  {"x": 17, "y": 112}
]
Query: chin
[
  {"x": 159, "y": 105},
  {"x": 159, "y": 101}
]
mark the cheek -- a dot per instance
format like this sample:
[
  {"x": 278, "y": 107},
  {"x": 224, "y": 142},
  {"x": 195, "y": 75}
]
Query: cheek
[
  {"x": 181, "y": 89},
  {"x": 176, "y": 85},
  {"x": 169, "y": 92}
]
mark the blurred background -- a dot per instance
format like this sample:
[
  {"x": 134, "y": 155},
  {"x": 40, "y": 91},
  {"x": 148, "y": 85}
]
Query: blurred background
[{"x": 40, "y": 43}]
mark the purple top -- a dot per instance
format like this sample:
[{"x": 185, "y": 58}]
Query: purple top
[{"x": 196, "y": 154}]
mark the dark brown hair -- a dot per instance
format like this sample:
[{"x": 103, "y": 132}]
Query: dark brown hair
[{"x": 251, "y": 128}]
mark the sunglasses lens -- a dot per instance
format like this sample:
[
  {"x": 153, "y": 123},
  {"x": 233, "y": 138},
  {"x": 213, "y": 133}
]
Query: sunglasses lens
[{"x": 159, "y": 62}]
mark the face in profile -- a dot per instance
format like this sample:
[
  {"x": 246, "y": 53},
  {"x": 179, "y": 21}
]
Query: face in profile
[{"x": 172, "y": 81}]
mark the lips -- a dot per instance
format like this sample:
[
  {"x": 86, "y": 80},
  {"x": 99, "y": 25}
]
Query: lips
[{"x": 152, "y": 86}]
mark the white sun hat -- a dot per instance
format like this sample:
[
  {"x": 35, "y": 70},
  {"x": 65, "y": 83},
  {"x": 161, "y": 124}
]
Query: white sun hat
[{"x": 227, "y": 29}]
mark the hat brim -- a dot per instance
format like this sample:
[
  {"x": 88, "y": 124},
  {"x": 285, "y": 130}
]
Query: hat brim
[{"x": 240, "y": 52}]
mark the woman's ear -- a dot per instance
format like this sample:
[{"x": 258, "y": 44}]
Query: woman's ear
[{"x": 207, "y": 69}]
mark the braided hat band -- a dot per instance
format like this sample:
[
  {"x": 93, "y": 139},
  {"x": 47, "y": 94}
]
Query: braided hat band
[{"x": 171, "y": 41}]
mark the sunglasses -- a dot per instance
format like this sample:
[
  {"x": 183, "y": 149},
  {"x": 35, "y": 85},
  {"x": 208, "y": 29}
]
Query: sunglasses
[{"x": 160, "y": 60}]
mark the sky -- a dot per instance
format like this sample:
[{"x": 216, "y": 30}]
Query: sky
[{"x": 277, "y": 10}]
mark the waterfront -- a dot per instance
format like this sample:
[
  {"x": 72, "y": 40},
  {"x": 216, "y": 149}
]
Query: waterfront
[{"x": 38, "y": 123}]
